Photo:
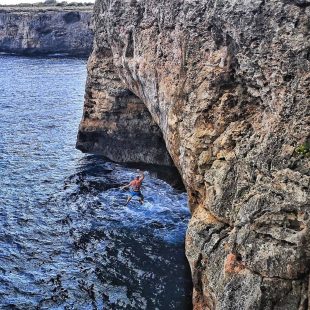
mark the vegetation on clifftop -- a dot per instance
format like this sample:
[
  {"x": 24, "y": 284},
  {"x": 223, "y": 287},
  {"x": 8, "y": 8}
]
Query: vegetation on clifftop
[{"x": 49, "y": 4}]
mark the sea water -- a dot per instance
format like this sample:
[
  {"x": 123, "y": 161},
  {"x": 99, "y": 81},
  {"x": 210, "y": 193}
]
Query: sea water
[{"x": 67, "y": 240}]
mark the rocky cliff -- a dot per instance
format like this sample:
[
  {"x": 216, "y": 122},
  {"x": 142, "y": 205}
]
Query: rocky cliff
[
  {"x": 34, "y": 31},
  {"x": 227, "y": 83}
]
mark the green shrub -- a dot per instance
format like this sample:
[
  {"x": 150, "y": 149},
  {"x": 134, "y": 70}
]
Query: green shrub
[{"x": 303, "y": 149}]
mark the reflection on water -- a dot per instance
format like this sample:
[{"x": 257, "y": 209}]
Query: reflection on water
[{"x": 67, "y": 240}]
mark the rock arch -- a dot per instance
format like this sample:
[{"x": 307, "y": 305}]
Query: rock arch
[{"x": 116, "y": 123}]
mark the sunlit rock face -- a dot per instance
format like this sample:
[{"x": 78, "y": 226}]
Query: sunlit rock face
[
  {"x": 227, "y": 82},
  {"x": 39, "y": 31}
]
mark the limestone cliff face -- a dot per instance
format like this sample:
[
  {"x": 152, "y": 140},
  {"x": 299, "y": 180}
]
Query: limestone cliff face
[
  {"x": 116, "y": 123},
  {"x": 34, "y": 31},
  {"x": 227, "y": 82}
]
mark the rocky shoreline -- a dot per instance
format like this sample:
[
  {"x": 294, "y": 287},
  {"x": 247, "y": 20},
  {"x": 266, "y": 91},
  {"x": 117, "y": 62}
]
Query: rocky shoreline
[{"x": 46, "y": 30}]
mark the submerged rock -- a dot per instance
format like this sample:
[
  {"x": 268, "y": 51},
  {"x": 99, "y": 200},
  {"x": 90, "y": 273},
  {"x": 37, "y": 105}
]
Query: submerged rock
[
  {"x": 39, "y": 31},
  {"x": 227, "y": 83}
]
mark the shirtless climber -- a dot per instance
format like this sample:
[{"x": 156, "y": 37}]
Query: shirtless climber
[{"x": 135, "y": 188}]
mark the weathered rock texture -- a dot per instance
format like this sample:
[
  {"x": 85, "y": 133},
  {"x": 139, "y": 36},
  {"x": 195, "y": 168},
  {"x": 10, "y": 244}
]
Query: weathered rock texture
[
  {"x": 34, "y": 31},
  {"x": 116, "y": 123},
  {"x": 227, "y": 82}
]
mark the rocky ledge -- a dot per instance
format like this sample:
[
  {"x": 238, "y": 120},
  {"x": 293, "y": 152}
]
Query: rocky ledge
[
  {"x": 226, "y": 84},
  {"x": 44, "y": 30}
]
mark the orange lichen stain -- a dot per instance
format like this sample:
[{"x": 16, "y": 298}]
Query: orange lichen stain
[
  {"x": 232, "y": 265},
  {"x": 204, "y": 216},
  {"x": 226, "y": 246},
  {"x": 211, "y": 219},
  {"x": 200, "y": 306}
]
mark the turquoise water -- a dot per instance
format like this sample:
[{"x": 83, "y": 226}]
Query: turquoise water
[{"x": 66, "y": 239}]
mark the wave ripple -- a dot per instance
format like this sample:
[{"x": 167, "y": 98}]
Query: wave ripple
[{"x": 67, "y": 241}]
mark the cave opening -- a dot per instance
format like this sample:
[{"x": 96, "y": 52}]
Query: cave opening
[
  {"x": 128, "y": 134},
  {"x": 159, "y": 162}
]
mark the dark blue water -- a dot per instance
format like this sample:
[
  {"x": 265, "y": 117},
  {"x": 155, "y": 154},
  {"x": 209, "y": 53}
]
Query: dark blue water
[{"x": 66, "y": 239}]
